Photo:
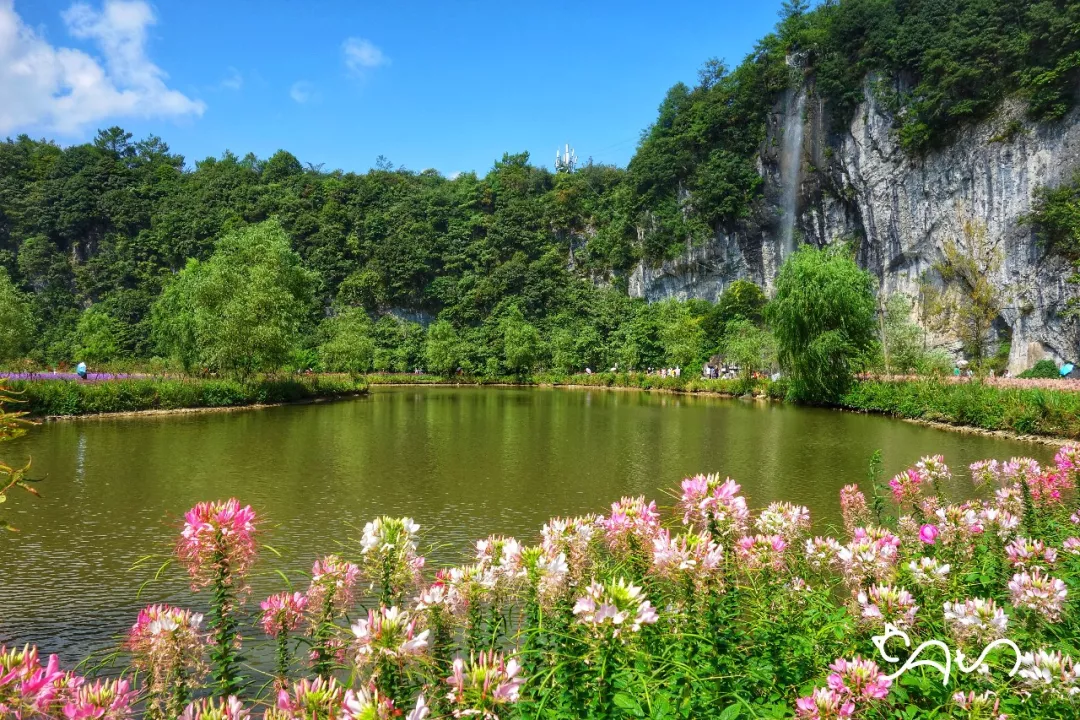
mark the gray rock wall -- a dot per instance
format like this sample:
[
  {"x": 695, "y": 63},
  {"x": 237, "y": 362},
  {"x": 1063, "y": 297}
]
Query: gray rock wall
[{"x": 902, "y": 210}]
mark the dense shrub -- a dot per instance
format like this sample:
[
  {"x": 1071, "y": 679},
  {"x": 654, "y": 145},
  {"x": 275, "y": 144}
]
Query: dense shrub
[
  {"x": 73, "y": 397},
  {"x": 1046, "y": 369}
]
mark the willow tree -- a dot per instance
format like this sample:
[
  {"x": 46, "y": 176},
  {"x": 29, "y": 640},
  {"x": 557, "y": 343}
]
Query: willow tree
[
  {"x": 823, "y": 316},
  {"x": 241, "y": 310}
]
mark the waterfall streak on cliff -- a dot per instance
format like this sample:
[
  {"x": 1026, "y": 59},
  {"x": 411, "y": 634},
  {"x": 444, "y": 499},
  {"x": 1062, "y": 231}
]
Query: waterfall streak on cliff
[{"x": 790, "y": 167}]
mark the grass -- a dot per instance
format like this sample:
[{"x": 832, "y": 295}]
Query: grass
[{"x": 67, "y": 397}]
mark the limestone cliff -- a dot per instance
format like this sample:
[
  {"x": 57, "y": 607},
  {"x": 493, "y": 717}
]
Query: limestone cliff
[{"x": 860, "y": 185}]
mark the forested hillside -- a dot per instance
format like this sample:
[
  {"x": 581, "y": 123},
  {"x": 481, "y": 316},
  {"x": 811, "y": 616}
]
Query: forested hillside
[{"x": 91, "y": 235}]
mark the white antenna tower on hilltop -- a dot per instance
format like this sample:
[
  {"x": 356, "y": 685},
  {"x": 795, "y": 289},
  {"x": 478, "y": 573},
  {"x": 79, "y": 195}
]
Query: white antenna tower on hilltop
[{"x": 565, "y": 160}]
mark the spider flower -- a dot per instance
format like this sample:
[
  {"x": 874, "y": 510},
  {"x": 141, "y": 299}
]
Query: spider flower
[
  {"x": 167, "y": 644},
  {"x": 484, "y": 686},
  {"x": 824, "y": 704},
  {"x": 928, "y": 534},
  {"x": 208, "y": 709},
  {"x": 368, "y": 704},
  {"x": 853, "y": 508},
  {"x": 858, "y": 680},
  {"x": 887, "y": 604},
  {"x": 307, "y": 699},
  {"x": 758, "y": 552},
  {"x": 1039, "y": 592},
  {"x": 1071, "y": 545},
  {"x": 712, "y": 506},
  {"x": 333, "y": 582},
  {"x": 1003, "y": 522},
  {"x": 620, "y": 605},
  {"x": 28, "y": 689},
  {"x": 1050, "y": 673},
  {"x": 1025, "y": 554},
  {"x": 822, "y": 553},
  {"x": 784, "y": 519},
  {"x": 933, "y": 469},
  {"x": 572, "y": 538},
  {"x": 387, "y": 633},
  {"x": 871, "y": 554},
  {"x": 388, "y": 547},
  {"x": 547, "y": 574},
  {"x": 906, "y": 486},
  {"x": 218, "y": 542},
  {"x": 282, "y": 613},
  {"x": 632, "y": 522},
  {"x": 984, "y": 706},
  {"x": 1020, "y": 469},
  {"x": 500, "y": 560},
  {"x": 686, "y": 555},
  {"x": 985, "y": 473},
  {"x": 104, "y": 700},
  {"x": 929, "y": 572},
  {"x": 165, "y": 637},
  {"x": 1049, "y": 488},
  {"x": 975, "y": 621}
]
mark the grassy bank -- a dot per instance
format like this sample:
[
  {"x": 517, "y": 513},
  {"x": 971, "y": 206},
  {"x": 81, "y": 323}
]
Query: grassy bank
[
  {"x": 1028, "y": 411},
  {"x": 66, "y": 397},
  {"x": 1023, "y": 410}
]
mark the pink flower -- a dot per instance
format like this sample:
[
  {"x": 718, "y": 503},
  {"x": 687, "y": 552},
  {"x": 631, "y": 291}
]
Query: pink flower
[
  {"x": 484, "y": 685},
  {"x": 984, "y": 705},
  {"x": 282, "y": 613},
  {"x": 103, "y": 700},
  {"x": 824, "y": 704},
  {"x": 387, "y": 633},
  {"x": 218, "y": 540},
  {"x": 985, "y": 473},
  {"x": 713, "y": 507},
  {"x": 975, "y": 621},
  {"x": 310, "y": 699},
  {"x": 859, "y": 680},
  {"x": 784, "y": 519},
  {"x": 928, "y": 534},
  {"x": 686, "y": 556},
  {"x": 887, "y": 604},
  {"x": 1051, "y": 674},
  {"x": 167, "y": 644},
  {"x": 333, "y": 581},
  {"x": 1024, "y": 553},
  {"x": 853, "y": 508},
  {"x": 632, "y": 521},
  {"x": 871, "y": 555},
  {"x": 619, "y": 605},
  {"x": 757, "y": 552},
  {"x": 1071, "y": 546},
  {"x": 1039, "y": 592},
  {"x": 208, "y": 709},
  {"x": 906, "y": 486}
]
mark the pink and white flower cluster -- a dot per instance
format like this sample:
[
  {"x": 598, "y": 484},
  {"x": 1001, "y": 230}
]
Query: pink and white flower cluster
[
  {"x": 975, "y": 621},
  {"x": 484, "y": 686},
  {"x": 217, "y": 542},
  {"x": 632, "y": 522},
  {"x": 714, "y": 507},
  {"x": 1039, "y": 592},
  {"x": 852, "y": 688},
  {"x": 882, "y": 604},
  {"x": 327, "y": 699},
  {"x": 387, "y": 633},
  {"x": 1050, "y": 673},
  {"x": 228, "y": 708},
  {"x": 788, "y": 521},
  {"x": 619, "y": 605},
  {"x": 333, "y": 582},
  {"x": 282, "y": 613},
  {"x": 29, "y": 689}
]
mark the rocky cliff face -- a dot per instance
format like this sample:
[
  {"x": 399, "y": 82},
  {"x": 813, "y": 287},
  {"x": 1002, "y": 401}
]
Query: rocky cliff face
[{"x": 862, "y": 186}]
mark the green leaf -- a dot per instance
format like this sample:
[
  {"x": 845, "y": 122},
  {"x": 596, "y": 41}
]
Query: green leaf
[{"x": 730, "y": 712}]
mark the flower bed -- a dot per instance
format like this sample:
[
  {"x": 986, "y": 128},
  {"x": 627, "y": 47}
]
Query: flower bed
[{"x": 713, "y": 612}]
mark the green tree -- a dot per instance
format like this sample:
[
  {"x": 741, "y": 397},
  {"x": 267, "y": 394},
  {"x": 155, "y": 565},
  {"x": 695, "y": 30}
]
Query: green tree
[
  {"x": 97, "y": 336},
  {"x": 16, "y": 321},
  {"x": 241, "y": 310},
  {"x": 750, "y": 347},
  {"x": 823, "y": 316},
  {"x": 348, "y": 345},
  {"x": 521, "y": 342},
  {"x": 966, "y": 298},
  {"x": 681, "y": 334},
  {"x": 444, "y": 352}
]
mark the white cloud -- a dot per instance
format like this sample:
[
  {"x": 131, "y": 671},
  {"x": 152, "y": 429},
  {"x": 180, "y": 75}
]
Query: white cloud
[
  {"x": 361, "y": 54},
  {"x": 233, "y": 81},
  {"x": 302, "y": 91},
  {"x": 454, "y": 175},
  {"x": 64, "y": 89}
]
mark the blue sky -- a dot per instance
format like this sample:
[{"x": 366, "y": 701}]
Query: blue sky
[{"x": 446, "y": 84}]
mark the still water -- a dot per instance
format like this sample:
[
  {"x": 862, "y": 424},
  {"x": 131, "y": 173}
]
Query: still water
[{"x": 464, "y": 463}]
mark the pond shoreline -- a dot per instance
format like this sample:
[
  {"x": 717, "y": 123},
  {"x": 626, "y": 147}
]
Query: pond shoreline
[{"x": 971, "y": 408}]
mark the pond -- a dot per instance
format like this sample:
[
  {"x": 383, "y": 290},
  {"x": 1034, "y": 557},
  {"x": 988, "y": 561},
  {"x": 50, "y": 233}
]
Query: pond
[{"x": 464, "y": 462}]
